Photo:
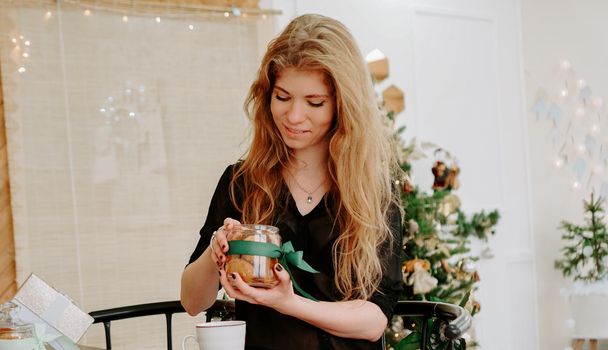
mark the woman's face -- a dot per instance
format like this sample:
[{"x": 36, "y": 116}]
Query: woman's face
[{"x": 302, "y": 108}]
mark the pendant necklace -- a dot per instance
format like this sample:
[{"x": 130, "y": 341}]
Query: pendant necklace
[{"x": 309, "y": 197}]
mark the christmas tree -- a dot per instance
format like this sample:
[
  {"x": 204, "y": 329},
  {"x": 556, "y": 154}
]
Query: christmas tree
[
  {"x": 586, "y": 246},
  {"x": 438, "y": 264}
]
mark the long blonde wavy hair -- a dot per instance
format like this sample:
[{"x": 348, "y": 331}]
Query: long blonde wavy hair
[{"x": 360, "y": 161}]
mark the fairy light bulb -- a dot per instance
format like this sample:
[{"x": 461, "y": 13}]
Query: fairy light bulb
[
  {"x": 226, "y": 14},
  {"x": 576, "y": 185},
  {"x": 21, "y": 70},
  {"x": 565, "y": 65},
  {"x": 581, "y": 83},
  {"x": 580, "y": 112},
  {"x": 14, "y": 40},
  {"x": 87, "y": 12},
  {"x": 264, "y": 16},
  {"x": 125, "y": 18},
  {"x": 563, "y": 93},
  {"x": 598, "y": 102},
  {"x": 559, "y": 163},
  {"x": 580, "y": 148},
  {"x": 26, "y": 55},
  {"x": 191, "y": 26},
  {"x": 27, "y": 43},
  {"x": 595, "y": 129},
  {"x": 157, "y": 19},
  {"x": 598, "y": 169},
  {"x": 48, "y": 15}
]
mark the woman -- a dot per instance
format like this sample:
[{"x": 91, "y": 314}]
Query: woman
[{"x": 319, "y": 167}]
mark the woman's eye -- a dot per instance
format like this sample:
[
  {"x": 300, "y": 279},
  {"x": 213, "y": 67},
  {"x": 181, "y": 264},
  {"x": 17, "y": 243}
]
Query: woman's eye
[
  {"x": 281, "y": 98},
  {"x": 316, "y": 104}
]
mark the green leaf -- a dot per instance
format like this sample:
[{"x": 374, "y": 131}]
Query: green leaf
[{"x": 411, "y": 342}]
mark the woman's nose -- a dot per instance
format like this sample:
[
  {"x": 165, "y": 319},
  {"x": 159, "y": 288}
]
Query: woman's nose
[{"x": 296, "y": 113}]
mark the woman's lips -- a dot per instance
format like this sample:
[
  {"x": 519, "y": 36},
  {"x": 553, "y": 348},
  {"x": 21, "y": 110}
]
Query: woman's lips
[{"x": 295, "y": 131}]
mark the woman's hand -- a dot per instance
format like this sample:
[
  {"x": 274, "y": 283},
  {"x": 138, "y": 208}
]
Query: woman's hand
[
  {"x": 219, "y": 242},
  {"x": 278, "y": 297}
]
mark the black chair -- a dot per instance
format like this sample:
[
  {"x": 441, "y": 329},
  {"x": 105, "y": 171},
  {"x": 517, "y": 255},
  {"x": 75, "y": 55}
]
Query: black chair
[
  {"x": 221, "y": 308},
  {"x": 454, "y": 320}
]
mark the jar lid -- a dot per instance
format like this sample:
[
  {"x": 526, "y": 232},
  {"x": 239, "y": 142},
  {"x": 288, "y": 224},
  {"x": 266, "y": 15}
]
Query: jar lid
[{"x": 11, "y": 327}]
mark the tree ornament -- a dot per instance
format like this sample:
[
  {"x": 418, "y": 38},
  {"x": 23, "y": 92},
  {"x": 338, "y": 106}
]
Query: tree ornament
[
  {"x": 421, "y": 280},
  {"x": 469, "y": 266},
  {"x": 587, "y": 251}
]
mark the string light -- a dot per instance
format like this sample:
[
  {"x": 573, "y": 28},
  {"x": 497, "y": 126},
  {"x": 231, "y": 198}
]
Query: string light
[
  {"x": 235, "y": 11},
  {"x": 21, "y": 70},
  {"x": 580, "y": 148},
  {"x": 191, "y": 26},
  {"x": 581, "y": 83},
  {"x": 563, "y": 93},
  {"x": 565, "y": 65},
  {"x": 598, "y": 169},
  {"x": 14, "y": 40},
  {"x": 48, "y": 15},
  {"x": 157, "y": 19},
  {"x": 226, "y": 14},
  {"x": 87, "y": 12},
  {"x": 559, "y": 163},
  {"x": 26, "y": 55},
  {"x": 125, "y": 18},
  {"x": 27, "y": 43},
  {"x": 576, "y": 185}
]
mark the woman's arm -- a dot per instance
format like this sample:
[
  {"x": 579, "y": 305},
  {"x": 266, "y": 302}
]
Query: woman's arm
[
  {"x": 200, "y": 282},
  {"x": 356, "y": 319},
  {"x": 200, "y": 279}
]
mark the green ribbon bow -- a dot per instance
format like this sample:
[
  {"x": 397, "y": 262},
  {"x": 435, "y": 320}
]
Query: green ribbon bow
[{"x": 286, "y": 254}]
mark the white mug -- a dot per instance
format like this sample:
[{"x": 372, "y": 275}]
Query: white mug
[{"x": 222, "y": 335}]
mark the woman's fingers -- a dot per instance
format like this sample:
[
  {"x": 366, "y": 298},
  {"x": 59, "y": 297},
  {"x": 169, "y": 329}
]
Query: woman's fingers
[{"x": 230, "y": 223}]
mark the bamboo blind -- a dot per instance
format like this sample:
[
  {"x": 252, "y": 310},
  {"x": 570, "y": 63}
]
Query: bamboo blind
[{"x": 8, "y": 285}]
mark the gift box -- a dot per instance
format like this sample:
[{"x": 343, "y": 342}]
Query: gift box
[{"x": 41, "y": 304}]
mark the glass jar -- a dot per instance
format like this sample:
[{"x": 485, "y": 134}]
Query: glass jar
[
  {"x": 20, "y": 335},
  {"x": 257, "y": 271}
]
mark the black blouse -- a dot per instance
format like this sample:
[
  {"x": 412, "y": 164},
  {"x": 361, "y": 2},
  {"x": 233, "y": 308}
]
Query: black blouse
[{"x": 314, "y": 234}]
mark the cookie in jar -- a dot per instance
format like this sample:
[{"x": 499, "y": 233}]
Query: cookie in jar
[{"x": 256, "y": 271}]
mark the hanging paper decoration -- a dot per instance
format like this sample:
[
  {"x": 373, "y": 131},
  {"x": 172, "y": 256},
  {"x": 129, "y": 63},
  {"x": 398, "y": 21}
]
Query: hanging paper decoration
[
  {"x": 539, "y": 108},
  {"x": 555, "y": 114},
  {"x": 578, "y": 129}
]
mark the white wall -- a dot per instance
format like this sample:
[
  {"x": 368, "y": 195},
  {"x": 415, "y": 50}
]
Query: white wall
[
  {"x": 552, "y": 31},
  {"x": 459, "y": 65}
]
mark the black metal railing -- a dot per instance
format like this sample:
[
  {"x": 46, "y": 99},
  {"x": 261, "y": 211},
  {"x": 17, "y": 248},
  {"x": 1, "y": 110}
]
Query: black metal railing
[
  {"x": 453, "y": 320},
  {"x": 167, "y": 308}
]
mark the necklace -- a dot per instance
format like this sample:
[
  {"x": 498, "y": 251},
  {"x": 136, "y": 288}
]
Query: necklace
[{"x": 309, "y": 198}]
